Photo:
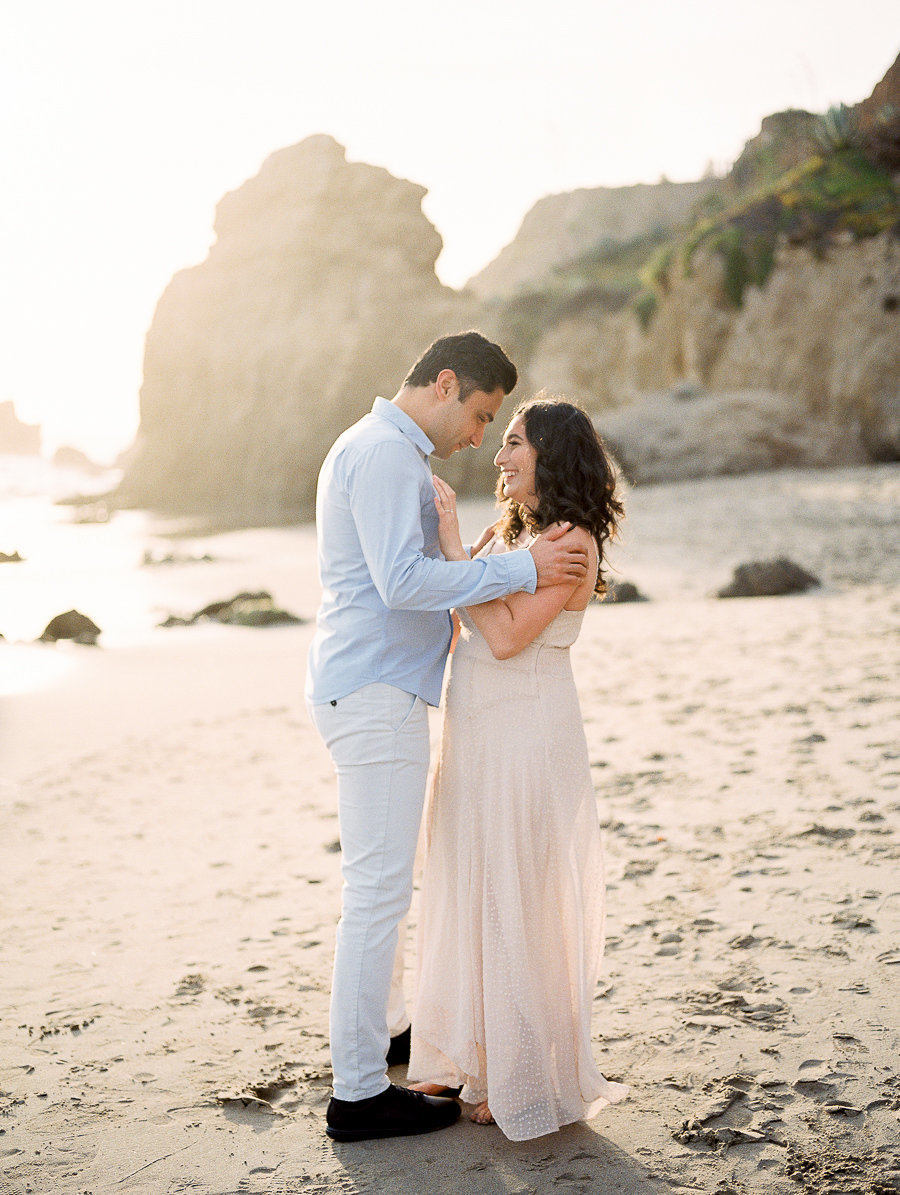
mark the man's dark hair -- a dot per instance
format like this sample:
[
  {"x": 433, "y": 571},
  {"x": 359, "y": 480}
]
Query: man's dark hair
[{"x": 478, "y": 363}]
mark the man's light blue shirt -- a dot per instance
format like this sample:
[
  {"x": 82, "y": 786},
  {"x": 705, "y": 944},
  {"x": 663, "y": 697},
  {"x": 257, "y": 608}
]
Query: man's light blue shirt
[{"x": 386, "y": 588}]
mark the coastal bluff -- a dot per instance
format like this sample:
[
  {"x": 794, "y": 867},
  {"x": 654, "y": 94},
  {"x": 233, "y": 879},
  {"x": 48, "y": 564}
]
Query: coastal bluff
[
  {"x": 559, "y": 229},
  {"x": 757, "y": 327},
  {"x": 318, "y": 293},
  {"x": 16, "y": 437},
  {"x": 726, "y": 325},
  {"x": 806, "y": 372}
]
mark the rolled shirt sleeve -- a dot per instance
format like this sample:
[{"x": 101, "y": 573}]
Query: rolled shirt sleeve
[
  {"x": 386, "y": 588},
  {"x": 389, "y": 519}
]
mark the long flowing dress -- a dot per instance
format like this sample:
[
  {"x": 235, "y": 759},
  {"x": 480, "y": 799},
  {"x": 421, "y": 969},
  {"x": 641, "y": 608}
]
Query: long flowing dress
[{"x": 512, "y": 912}]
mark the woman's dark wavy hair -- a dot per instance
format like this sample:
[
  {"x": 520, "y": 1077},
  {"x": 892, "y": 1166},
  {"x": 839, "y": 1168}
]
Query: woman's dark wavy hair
[{"x": 575, "y": 479}]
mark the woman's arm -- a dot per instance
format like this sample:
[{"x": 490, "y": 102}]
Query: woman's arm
[
  {"x": 510, "y": 623},
  {"x": 485, "y": 538}
]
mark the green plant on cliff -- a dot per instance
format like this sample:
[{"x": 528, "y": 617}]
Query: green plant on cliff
[
  {"x": 645, "y": 305},
  {"x": 615, "y": 265},
  {"x": 812, "y": 205},
  {"x": 656, "y": 278},
  {"x": 605, "y": 278},
  {"x": 657, "y": 273},
  {"x": 737, "y": 265},
  {"x": 829, "y": 197},
  {"x": 838, "y": 129}
]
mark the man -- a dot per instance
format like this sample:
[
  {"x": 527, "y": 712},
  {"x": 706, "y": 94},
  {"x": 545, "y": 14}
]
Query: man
[{"x": 376, "y": 663}]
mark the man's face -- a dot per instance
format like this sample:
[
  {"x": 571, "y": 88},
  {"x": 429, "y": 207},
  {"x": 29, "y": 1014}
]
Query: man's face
[{"x": 461, "y": 424}]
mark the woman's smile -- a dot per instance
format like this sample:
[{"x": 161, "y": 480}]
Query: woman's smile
[{"x": 516, "y": 461}]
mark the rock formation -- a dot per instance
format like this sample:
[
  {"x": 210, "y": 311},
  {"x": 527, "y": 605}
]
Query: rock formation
[
  {"x": 768, "y": 578},
  {"x": 664, "y": 438},
  {"x": 559, "y": 229},
  {"x": 879, "y": 120},
  {"x": 243, "y": 610},
  {"x": 773, "y": 297},
  {"x": 67, "y": 457},
  {"x": 785, "y": 140},
  {"x": 72, "y": 625},
  {"x": 623, "y": 591},
  {"x": 318, "y": 294},
  {"x": 17, "y": 437},
  {"x": 818, "y": 348},
  {"x": 782, "y": 302}
]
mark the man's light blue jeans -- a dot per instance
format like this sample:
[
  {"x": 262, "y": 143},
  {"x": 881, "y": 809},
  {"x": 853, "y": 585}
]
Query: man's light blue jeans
[{"x": 378, "y": 741}]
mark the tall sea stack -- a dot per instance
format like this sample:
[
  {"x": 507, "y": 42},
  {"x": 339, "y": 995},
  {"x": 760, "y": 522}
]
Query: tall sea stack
[{"x": 318, "y": 293}]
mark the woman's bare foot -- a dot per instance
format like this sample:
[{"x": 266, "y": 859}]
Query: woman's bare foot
[
  {"x": 432, "y": 1088},
  {"x": 482, "y": 1114}
]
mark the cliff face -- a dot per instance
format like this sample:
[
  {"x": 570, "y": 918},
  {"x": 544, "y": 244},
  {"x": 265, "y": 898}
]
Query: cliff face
[
  {"x": 561, "y": 228},
  {"x": 826, "y": 330},
  {"x": 821, "y": 340},
  {"x": 879, "y": 120},
  {"x": 15, "y": 436},
  {"x": 785, "y": 140},
  {"x": 774, "y": 292},
  {"x": 318, "y": 294},
  {"x": 776, "y": 298}
]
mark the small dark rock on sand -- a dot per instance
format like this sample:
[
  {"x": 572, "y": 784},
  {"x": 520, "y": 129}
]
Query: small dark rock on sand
[
  {"x": 623, "y": 591},
  {"x": 90, "y": 512},
  {"x": 768, "y": 578},
  {"x": 11, "y": 558},
  {"x": 244, "y": 610},
  {"x": 71, "y": 625},
  {"x": 686, "y": 390},
  {"x": 150, "y": 561}
]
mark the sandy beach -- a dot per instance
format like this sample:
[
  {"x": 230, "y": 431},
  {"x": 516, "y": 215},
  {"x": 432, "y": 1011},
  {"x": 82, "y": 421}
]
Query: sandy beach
[{"x": 171, "y": 881}]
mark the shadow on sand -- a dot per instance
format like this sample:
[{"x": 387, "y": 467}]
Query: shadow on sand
[{"x": 470, "y": 1159}]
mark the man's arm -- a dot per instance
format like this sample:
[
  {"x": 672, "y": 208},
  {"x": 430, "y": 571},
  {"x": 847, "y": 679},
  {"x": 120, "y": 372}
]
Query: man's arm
[
  {"x": 557, "y": 562},
  {"x": 382, "y": 484},
  {"x": 509, "y": 624},
  {"x": 559, "y": 558}
]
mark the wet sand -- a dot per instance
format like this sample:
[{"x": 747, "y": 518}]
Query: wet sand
[{"x": 171, "y": 886}]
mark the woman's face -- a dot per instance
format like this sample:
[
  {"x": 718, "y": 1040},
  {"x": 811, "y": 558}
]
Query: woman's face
[{"x": 516, "y": 461}]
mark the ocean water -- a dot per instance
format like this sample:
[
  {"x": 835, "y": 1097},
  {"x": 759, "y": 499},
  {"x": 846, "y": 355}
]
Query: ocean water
[
  {"x": 843, "y": 525},
  {"x": 74, "y": 558}
]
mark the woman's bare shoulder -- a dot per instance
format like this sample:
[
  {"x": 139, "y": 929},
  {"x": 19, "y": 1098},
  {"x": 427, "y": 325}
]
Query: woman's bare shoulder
[{"x": 576, "y": 535}]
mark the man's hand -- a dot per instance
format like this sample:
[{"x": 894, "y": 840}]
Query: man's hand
[{"x": 557, "y": 562}]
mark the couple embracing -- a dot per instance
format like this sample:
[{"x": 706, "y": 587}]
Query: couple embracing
[{"x": 511, "y": 924}]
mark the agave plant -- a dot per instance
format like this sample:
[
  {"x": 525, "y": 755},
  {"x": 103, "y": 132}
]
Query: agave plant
[{"x": 838, "y": 129}]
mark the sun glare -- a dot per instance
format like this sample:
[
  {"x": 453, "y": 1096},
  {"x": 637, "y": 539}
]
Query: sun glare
[{"x": 131, "y": 122}]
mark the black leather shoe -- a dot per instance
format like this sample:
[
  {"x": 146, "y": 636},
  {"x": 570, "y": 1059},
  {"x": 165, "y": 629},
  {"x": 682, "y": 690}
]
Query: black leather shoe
[
  {"x": 396, "y": 1112},
  {"x": 398, "y": 1050}
]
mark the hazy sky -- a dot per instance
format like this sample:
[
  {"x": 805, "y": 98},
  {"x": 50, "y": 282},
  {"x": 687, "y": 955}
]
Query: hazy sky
[{"x": 125, "y": 121}]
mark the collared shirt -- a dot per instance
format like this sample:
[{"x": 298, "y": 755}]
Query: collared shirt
[{"x": 386, "y": 588}]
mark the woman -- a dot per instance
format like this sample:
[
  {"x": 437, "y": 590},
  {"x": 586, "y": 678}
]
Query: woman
[{"x": 511, "y": 924}]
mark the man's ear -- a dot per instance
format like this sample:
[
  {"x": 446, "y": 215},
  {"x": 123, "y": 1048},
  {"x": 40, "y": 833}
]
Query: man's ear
[{"x": 446, "y": 384}]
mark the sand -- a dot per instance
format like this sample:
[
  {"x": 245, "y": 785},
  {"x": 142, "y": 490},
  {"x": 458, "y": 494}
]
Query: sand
[{"x": 171, "y": 886}]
